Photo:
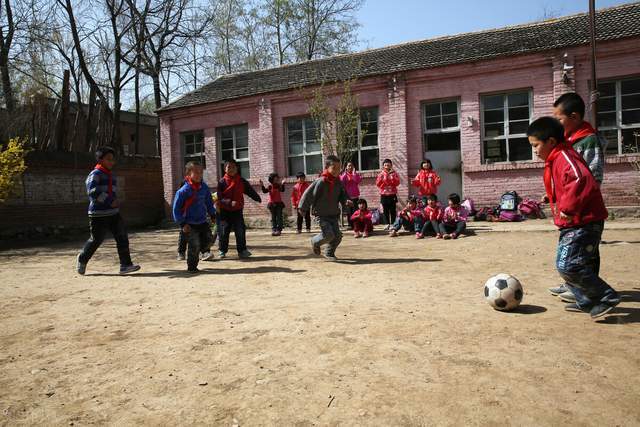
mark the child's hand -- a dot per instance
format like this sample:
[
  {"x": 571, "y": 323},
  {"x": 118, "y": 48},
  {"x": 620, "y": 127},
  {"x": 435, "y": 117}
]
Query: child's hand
[{"x": 186, "y": 228}]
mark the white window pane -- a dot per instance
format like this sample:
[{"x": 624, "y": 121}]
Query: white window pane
[
  {"x": 226, "y": 133},
  {"x": 295, "y": 137},
  {"x": 242, "y": 153},
  {"x": 519, "y": 113},
  {"x": 295, "y": 148},
  {"x": 518, "y": 127},
  {"x": 296, "y": 164},
  {"x": 370, "y": 160},
  {"x": 370, "y": 140},
  {"x": 434, "y": 123},
  {"x": 450, "y": 108},
  {"x": 520, "y": 99},
  {"x": 243, "y": 167},
  {"x": 519, "y": 149},
  {"x": 495, "y": 116},
  {"x": 432, "y": 109},
  {"x": 495, "y": 151},
  {"x": 294, "y": 125},
  {"x": 314, "y": 164},
  {"x": 450, "y": 121},
  {"x": 242, "y": 132},
  {"x": 242, "y": 142},
  {"x": 494, "y": 130},
  {"x": 493, "y": 102}
]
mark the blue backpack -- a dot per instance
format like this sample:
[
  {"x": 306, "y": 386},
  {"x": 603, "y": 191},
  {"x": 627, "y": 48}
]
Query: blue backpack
[{"x": 509, "y": 201}]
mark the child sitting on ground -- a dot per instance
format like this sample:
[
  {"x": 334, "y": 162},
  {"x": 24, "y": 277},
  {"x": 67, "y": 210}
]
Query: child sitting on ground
[
  {"x": 410, "y": 218},
  {"x": 454, "y": 219},
  {"x": 276, "y": 205},
  {"x": 362, "y": 220},
  {"x": 231, "y": 190},
  {"x": 104, "y": 213},
  {"x": 324, "y": 196},
  {"x": 427, "y": 181},
  {"x": 579, "y": 212},
  {"x": 299, "y": 188},
  {"x": 433, "y": 214},
  {"x": 191, "y": 207}
]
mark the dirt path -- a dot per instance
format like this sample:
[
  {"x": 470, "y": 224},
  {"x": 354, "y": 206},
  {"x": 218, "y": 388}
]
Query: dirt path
[{"x": 396, "y": 334}]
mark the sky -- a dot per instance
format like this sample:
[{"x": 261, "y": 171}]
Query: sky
[{"x": 387, "y": 22}]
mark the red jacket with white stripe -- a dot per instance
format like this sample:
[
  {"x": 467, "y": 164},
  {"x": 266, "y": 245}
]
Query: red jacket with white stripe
[{"x": 574, "y": 189}]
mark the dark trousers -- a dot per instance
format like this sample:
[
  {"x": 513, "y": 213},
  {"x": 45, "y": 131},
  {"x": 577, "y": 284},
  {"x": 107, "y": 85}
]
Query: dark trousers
[
  {"x": 98, "y": 227},
  {"x": 351, "y": 210},
  {"x": 389, "y": 208},
  {"x": 307, "y": 219},
  {"x": 198, "y": 240},
  {"x": 330, "y": 234},
  {"x": 578, "y": 262},
  {"x": 183, "y": 238},
  {"x": 431, "y": 226},
  {"x": 232, "y": 221},
  {"x": 457, "y": 228},
  {"x": 362, "y": 225},
  {"x": 277, "y": 221}
]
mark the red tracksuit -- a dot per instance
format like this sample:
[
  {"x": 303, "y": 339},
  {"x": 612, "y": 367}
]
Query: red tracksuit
[{"x": 362, "y": 222}]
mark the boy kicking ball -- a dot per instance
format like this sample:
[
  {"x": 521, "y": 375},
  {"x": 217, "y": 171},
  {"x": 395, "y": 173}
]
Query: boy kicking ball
[
  {"x": 323, "y": 197},
  {"x": 579, "y": 213}
]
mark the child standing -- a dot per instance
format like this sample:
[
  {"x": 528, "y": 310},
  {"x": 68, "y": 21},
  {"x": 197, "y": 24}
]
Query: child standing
[
  {"x": 433, "y": 214},
  {"x": 579, "y": 212},
  {"x": 387, "y": 182},
  {"x": 299, "y": 188},
  {"x": 427, "y": 181},
  {"x": 362, "y": 220},
  {"x": 192, "y": 206},
  {"x": 351, "y": 181},
  {"x": 454, "y": 218},
  {"x": 276, "y": 205},
  {"x": 104, "y": 213},
  {"x": 410, "y": 218},
  {"x": 231, "y": 190},
  {"x": 324, "y": 196}
]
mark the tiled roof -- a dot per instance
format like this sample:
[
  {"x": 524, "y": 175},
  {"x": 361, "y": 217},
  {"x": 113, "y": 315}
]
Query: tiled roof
[{"x": 612, "y": 23}]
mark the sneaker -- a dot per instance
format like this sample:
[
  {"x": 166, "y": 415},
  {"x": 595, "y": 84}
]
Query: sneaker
[
  {"x": 207, "y": 256},
  {"x": 393, "y": 233},
  {"x": 356, "y": 234},
  {"x": 601, "y": 309},
  {"x": 567, "y": 296},
  {"x": 330, "y": 257},
  {"x": 315, "y": 248},
  {"x": 558, "y": 290},
  {"x": 366, "y": 234},
  {"x": 387, "y": 228},
  {"x": 446, "y": 236},
  {"x": 222, "y": 255},
  {"x": 181, "y": 257},
  {"x": 454, "y": 236},
  {"x": 129, "y": 269},
  {"x": 274, "y": 233},
  {"x": 244, "y": 254},
  {"x": 419, "y": 236},
  {"x": 298, "y": 231},
  {"x": 80, "y": 267},
  {"x": 439, "y": 236},
  {"x": 193, "y": 271},
  {"x": 308, "y": 230},
  {"x": 573, "y": 308}
]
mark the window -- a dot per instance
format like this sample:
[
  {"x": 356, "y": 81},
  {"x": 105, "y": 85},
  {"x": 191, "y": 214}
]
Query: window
[
  {"x": 193, "y": 147},
  {"x": 505, "y": 118},
  {"x": 304, "y": 147},
  {"x": 234, "y": 145},
  {"x": 441, "y": 126},
  {"x": 619, "y": 115},
  {"x": 367, "y": 157}
]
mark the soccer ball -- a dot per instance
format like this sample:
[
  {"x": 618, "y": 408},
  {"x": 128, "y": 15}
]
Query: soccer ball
[{"x": 503, "y": 292}]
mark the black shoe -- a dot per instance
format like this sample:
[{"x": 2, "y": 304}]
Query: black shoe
[
  {"x": 601, "y": 309},
  {"x": 573, "y": 308},
  {"x": 193, "y": 271}
]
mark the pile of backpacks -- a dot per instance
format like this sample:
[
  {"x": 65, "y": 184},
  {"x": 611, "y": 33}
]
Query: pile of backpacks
[{"x": 511, "y": 209}]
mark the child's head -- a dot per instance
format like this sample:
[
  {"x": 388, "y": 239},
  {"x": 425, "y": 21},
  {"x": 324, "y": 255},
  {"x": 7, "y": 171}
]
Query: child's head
[
  {"x": 412, "y": 202},
  {"x": 387, "y": 164},
  {"x": 426, "y": 165},
  {"x": 332, "y": 165},
  {"x": 193, "y": 171},
  {"x": 544, "y": 134},
  {"x": 569, "y": 110},
  {"x": 432, "y": 200},
  {"x": 301, "y": 177},
  {"x": 362, "y": 204},
  {"x": 350, "y": 167},
  {"x": 231, "y": 167},
  {"x": 454, "y": 200},
  {"x": 274, "y": 178},
  {"x": 106, "y": 156}
]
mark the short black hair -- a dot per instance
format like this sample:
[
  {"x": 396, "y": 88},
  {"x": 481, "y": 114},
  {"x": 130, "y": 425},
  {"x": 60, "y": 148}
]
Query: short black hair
[
  {"x": 190, "y": 165},
  {"x": 301, "y": 175},
  {"x": 432, "y": 197},
  {"x": 426, "y": 161},
  {"x": 412, "y": 199},
  {"x": 330, "y": 160},
  {"x": 545, "y": 128},
  {"x": 103, "y": 151},
  {"x": 230, "y": 161},
  {"x": 272, "y": 176},
  {"x": 455, "y": 198},
  {"x": 366, "y": 206},
  {"x": 570, "y": 103},
  {"x": 387, "y": 161}
]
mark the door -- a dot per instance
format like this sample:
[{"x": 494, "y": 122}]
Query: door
[{"x": 442, "y": 144}]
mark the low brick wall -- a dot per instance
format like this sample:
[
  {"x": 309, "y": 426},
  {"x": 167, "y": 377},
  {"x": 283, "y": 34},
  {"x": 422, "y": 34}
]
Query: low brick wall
[{"x": 51, "y": 194}]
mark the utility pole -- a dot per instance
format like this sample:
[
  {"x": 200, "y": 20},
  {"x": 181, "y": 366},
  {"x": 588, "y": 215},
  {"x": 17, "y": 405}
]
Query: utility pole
[{"x": 594, "y": 95}]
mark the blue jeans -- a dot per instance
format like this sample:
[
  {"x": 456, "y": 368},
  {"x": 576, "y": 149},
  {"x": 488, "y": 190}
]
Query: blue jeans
[
  {"x": 578, "y": 262},
  {"x": 330, "y": 234},
  {"x": 415, "y": 226}
]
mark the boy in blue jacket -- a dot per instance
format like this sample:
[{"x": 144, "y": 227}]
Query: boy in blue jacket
[
  {"x": 191, "y": 205},
  {"x": 104, "y": 213}
]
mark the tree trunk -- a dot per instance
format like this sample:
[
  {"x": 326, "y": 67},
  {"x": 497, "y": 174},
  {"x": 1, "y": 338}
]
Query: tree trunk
[
  {"x": 136, "y": 146},
  {"x": 63, "y": 115},
  {"x": 89, "y": 131}
]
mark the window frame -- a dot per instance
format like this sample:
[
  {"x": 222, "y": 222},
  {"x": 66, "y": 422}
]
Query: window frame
[
  {"x": 619, "y": 126},
  {"x": 304, "y": 153},
  {"x": 426, "y": 131},
  {"x": 201, "y": 157},
  {"x": 235, "y": 147},
  {"x": 361, "y": 138},
  {"x": 506, "y": 135}
]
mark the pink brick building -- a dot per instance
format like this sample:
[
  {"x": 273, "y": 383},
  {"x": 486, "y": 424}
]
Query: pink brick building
[{"x": 463, "y": 101}]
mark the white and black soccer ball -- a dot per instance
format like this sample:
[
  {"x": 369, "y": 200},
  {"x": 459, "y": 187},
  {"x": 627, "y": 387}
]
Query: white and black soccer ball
[{"x": 503, "y": 292}]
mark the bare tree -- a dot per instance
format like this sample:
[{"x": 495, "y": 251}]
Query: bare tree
[{"x": 7, "y": 32}]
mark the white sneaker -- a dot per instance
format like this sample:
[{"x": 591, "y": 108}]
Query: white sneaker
[
  {"x": 207, "y": 256},
  {"x": 181, "y": 257}
]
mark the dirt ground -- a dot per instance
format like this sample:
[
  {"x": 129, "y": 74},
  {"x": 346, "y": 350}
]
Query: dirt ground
[{"x": 396, "y": 333}]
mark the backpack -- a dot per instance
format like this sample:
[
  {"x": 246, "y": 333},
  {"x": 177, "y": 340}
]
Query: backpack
[
  {"x": 509, "y": 201},
  {"x": 482, "y": 214},
  {"x": 375, "y": 216},
  {"x": 531, "y": 208},
  {"x": 510, "y": 216},
  {"x": 469, "y": 206}
]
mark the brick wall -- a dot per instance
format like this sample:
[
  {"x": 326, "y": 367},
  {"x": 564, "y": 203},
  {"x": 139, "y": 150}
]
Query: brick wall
[{"x": 52, "y": 192}]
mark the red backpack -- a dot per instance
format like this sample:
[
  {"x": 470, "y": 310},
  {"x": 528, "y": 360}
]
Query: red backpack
[{"x": 531, "y": 209}]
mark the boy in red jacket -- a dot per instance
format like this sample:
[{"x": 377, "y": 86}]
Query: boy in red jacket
[
  {"x": 299, "y": 188},
  {"x": 579, "y": 213}
]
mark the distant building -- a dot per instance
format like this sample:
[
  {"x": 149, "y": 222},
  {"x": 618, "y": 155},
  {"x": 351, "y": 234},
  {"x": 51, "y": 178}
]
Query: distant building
[{"x": 463, "y": 101}]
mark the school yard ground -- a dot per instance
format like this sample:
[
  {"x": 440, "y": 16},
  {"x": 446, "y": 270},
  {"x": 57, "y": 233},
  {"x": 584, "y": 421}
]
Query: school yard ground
[{"x": 396, "y": 333}]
